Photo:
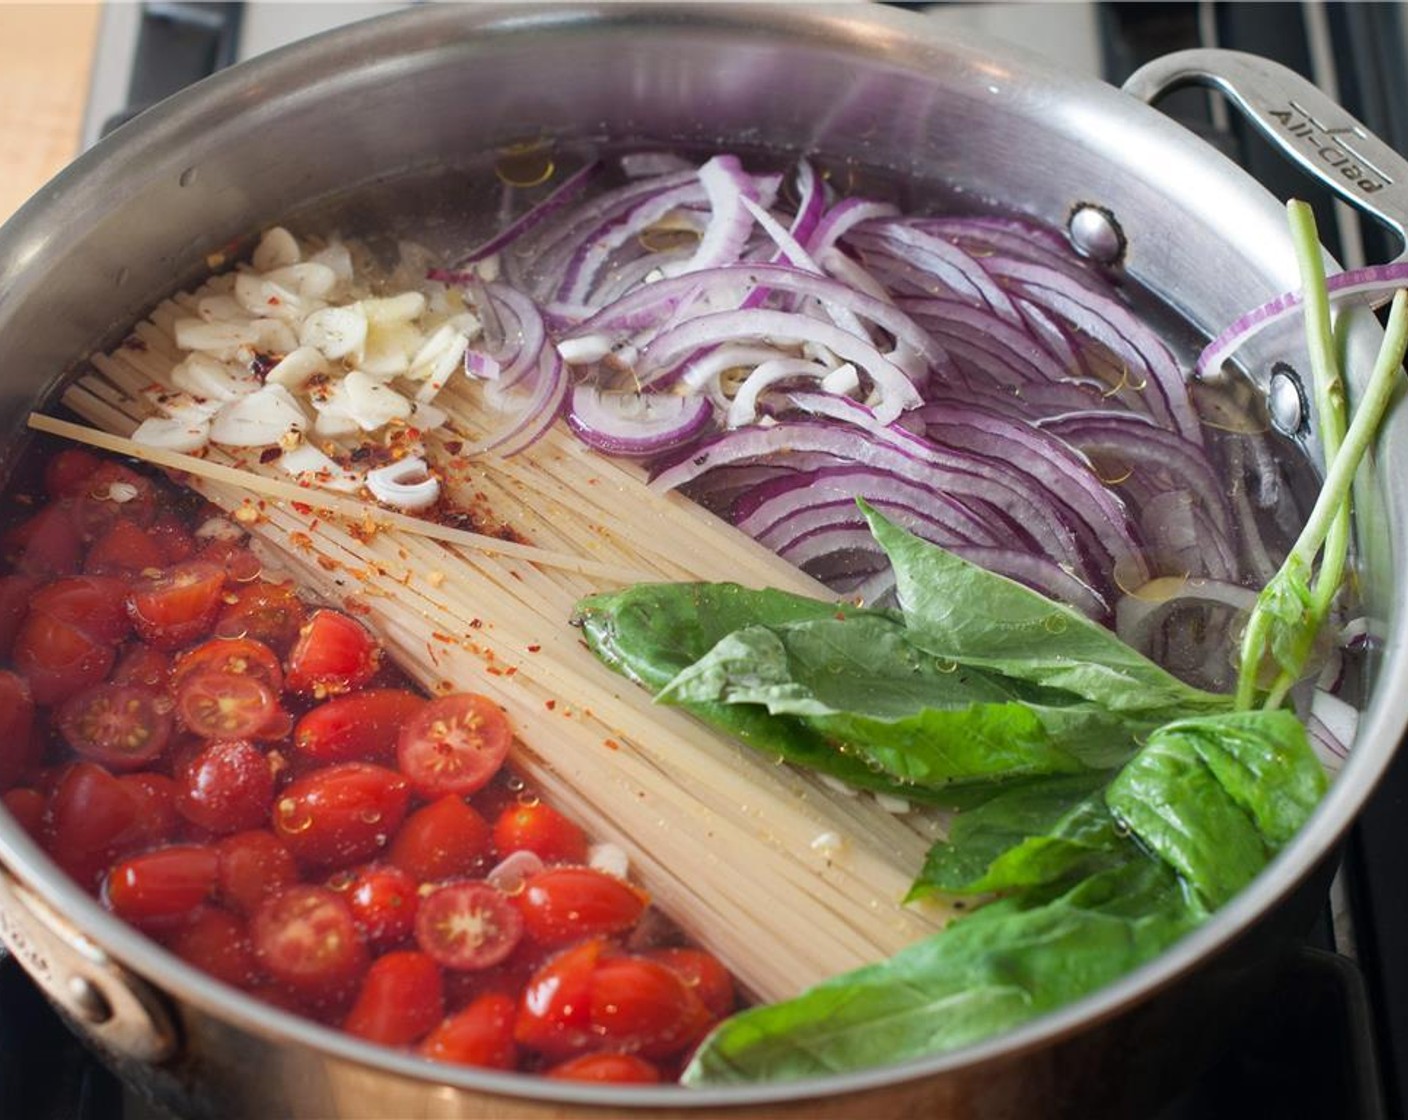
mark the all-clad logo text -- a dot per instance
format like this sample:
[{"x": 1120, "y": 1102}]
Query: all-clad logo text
[{"x": 1333, "y": 147}]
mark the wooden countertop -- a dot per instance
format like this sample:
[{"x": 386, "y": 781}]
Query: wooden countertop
[{"x": 46, "y": 54}]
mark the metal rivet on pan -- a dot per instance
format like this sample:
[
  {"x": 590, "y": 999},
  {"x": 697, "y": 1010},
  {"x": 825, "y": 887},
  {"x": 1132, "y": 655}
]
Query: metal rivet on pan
[
  {"x": 87, "y": 1001},
  {"x": 1285, "y": 399},
  {"x": 1095, "y": 233}
]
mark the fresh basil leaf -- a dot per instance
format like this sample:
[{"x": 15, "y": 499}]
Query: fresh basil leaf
[
  {"x": 1036, "y": 833},
  {"x": 1216, "y": 797},
  {"x": 988, "y": 972},
  {"x": 959, "y": 611},
  {"x": 860, "y": 683},
  {"x": 652, "y": 631}
]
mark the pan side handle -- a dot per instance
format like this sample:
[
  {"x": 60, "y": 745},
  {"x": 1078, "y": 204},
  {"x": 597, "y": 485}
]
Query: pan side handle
[{"x": 1307, "y": 127}]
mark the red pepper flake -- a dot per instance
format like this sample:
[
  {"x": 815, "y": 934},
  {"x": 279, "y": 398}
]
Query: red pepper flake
[
  {"x": 611, "y": 744},
  {"x": 454, "y": 446},
  {"x": 493, "y": 671},
  {"x": 300, "y": 540},
  {"x": 301, "y": 508},
  {"x": 445, "y": 687},
  {"x": 439, "y": 637},
  {"x": 475, "y": 623},
  {"x": 840, "y": 616},
  {"x": 549, "y": 704},
  {"x": 328, "y": 564},
  {"x": 356, "y": 606},
  {"x": 534, "y": 648},
  {"x": 269, "y": 454},
  {"x": 511, "y": 670}
]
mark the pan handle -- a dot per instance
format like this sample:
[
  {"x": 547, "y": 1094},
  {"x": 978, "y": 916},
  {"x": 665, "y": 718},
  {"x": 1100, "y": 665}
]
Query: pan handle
[
  {"x": 1306, "y": 126},
  {"x": 120, "y": 1011}
]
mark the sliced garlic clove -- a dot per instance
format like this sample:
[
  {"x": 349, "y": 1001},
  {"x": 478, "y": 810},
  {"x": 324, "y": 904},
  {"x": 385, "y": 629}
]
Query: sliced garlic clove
[
  {"x": 260, "y": 419},
  {"x": 206, "y": 377},
  {"x": 184, "y": 436},
  {"x": 311, "y": 467},
  {"x": 296, "y": 368},
  {"x": 276, "y": 249},
  {"x": 339, "y": 332},
  {"x": 372, "y": 403}
]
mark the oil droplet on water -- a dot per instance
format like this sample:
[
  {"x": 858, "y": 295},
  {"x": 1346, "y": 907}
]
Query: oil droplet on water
[
  {"x": 527, "y": 800},
  {"x": 369, "y": 816},
  {"x": 529, "y": 164},
  {"x": 944, "y": 665},
  {"x": 1055, "y": 624}
]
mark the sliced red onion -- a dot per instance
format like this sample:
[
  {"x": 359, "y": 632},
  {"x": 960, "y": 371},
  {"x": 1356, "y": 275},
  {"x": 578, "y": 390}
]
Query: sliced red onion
[
  {"x": 1140, "y": 613},
  {"x": 641, "y": 165},
  {"x": 884, "y": 244},
  {"x": 732, "y": 195},
  {"x": 837, "y": 222},
  {"x": 636, "y": 424},
  {"x": 894, "y": 451},
  {"x": 531, "y": 417},
  {"x": 1332, "y": 726},
  {"x": 1377, "y": 282},
  {"x": 743, "y": 409},
  {"x": 897, "y": 392}
]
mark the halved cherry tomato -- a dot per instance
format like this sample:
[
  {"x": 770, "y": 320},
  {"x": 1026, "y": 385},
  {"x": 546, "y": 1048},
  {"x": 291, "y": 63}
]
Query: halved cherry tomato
[
  {"x": 401, "y": 999},
  {"x": 139, "y": 664},
  {"x": 537, "y": 827},
  {"x": 384, "y": 900},
  {"x": 216, "y": 942},
  {"x": 27, "y": 807},
  {"x": 341, "y": 815},
  {"x": 555, "y": 1010},
  {"x": 228, "y": 787},
  {"x": 334, "y": 654},
  {"x": 642, "y": 1006},
  {"x": 455, "y": 745},
  {"x": 480, "y": 1035},
  {"x": 66, "y": 473},
  {"x": 703, "y": 973},
  {"x": 615, "y": 1068},
  {"x": 161, "y": 886},
  {"x": 16, "y": 728},
  {"x": 271, "y": 613},
  {"x": 360, "y": 726},
  {"x": 445, "y": 840},
  {"x": 243, "y": 657},
  {"x": 58, "y": 659},
  {"x": 179, "y": 606},
  {"x": 15, "y": 594},
  {"x": 93, "y": 604},
  {"x": 561, "y": 904},
  {"x": 468, "y": 925},
  {"x": 305, "y": 939},
  {"x": 91, "y": 818},
  {"x": 230, "y": 706},
  {"x": 125, "y": 547},
  {"x": 254, "y": 866},
  {"x": 47, "y": 544},
  {"x": 121, "y": 726}
]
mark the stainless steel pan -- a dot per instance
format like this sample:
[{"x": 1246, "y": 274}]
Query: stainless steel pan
[{"x": 371, "y": 128}]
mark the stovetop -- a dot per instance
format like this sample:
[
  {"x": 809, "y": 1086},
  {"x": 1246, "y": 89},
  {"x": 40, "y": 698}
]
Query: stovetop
[{"x": 1331, "y": 1042}]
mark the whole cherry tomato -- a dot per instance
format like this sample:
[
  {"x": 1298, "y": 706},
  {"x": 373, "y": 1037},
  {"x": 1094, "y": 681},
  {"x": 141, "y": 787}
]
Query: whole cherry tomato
[
  {"x": 341, "y": 815},
  {"x": 704, "y": 973},
  {"x": 67, "y": 471},
  {"x": 94, "y": 605},
  {"x": 125, "y": 548},
  {"x": 537, "y": 827},
  {"x": 606, "y": 1066},
  {"x": 641, "y": 1006},
  {"x": 359, "y": 726},
  {"x": 561, "y": 904},
  {"x": 555, "y": 1011},
  {"x": 91, "y": 818},
  {"x": 271, "y": 613},
  {"x": 161, "y": 886},
  {"x": 47, "y": 544},
  {"x": 216, "y": 942},
  {"x": 16, "y": 728},
  {"x": 254, "y": 866},
  {"x": 446, "y": 839},
  {"x": 384, "y": 900},
  {"x": 400, "y": 1000},
  {"x": 227, "y": 788},
  {"x": 480, "y": 1035}
]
